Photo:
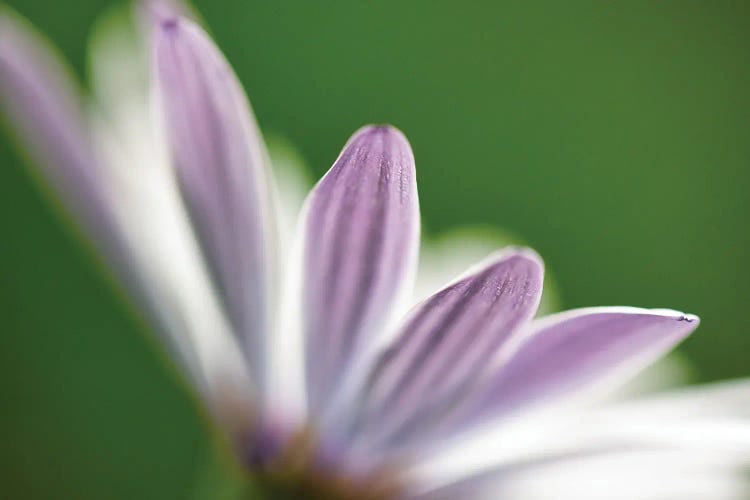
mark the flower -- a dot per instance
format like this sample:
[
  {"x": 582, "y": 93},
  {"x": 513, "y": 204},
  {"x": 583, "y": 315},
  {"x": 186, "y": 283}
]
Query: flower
[{"x": 183, "y": 210}]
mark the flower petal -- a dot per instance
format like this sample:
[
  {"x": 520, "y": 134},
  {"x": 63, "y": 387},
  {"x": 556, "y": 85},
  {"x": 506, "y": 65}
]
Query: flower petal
[
  {"x": 446, "y": 345},
  {"x": 158, "y": 9},
  {"x": 45, "y": 106},
  {"x": 142, "y": 191},
  {"x": 670, "y": 372},
  {"x": 446, "y": 256},
  {"x": 222, "y": 173},
  {"x": 626, "y": 473},
  {"x": 698, "y": 423},
  {"x": 43, "y": 103},
  {"x": 576, "y": 349},
  {"x": 361, "y": 240},
  {"x": 717, "y": 399}
]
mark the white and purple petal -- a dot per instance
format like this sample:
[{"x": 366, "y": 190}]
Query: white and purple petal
[
  {"x": 446, "y": 256},
  {"x": 445, "y": 346},
  {"x": 43, "y": 103},
  {"x": 361, "y": 231},
  {"x": 45, "y": 107},
  {"x": 700, "y": 430},
  {"x": 142, "y": 191},
  {"x": 642, "y": 472},
  {"x": 575, "y": 350},
  {"x": 222, "y": 173}
]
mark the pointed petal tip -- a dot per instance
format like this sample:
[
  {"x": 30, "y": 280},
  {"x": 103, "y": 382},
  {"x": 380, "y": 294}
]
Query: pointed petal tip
[
  {"x": 379, "y": 128},
  {"x": 691, "y": 321},
  {"x": 162, "y": 13},
  {"x": 677, "y": 315},
  {"x": 519, "y": 254},
  {"x": 684, "y": 323},
  {"x": 690, "y": 318},
  {"x": 677, "y": 322},
  {"x": 688, "y": 322},
  {"x": 169, "y": 24},
  {"x": 375, "y": 132},
  {"x": 12, "y": 25}
]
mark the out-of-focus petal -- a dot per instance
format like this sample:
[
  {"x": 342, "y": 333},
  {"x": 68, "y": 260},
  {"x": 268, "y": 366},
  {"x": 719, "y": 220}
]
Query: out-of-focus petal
[
  {"x": 578, "y": 349},
  {"x": 293, "y": 184},
  {"x": 287, "y": 353},
  {"x": 43, "y": 103},
  {"x": 221, "y": 167},
  {"x": 643, "y": 473},
  {"x": 162, "y": 8},
  {"x": 446, "y": 345},
  {"x": 150, "y": 13},
  {"x": 709, "y": 417},
  {"x": 141, "y": 189},
  {"x": 670, "y": 372},
  {"x": 360, "y": 247},
  {"x": 131, "y": 168},
  {"x": 706, "y": 422},
  {"x": 729, "y": 398}
]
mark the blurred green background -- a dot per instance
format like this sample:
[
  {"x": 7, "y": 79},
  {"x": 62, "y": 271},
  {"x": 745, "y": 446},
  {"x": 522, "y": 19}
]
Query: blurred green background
[{"x": 612, "y": 136}]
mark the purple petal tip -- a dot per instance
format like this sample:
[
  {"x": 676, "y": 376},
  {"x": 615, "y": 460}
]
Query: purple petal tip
[
  {"x": 169, "y": 23},
  {"x": 690, "y": 318},
  {"x": 372, "y": 131},
  {"x": 379, "y": 128},
  {"x": 677, "y": 315},
  {"x": 518, "y": 253}
]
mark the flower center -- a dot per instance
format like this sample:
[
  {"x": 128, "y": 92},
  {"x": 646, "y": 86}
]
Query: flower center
[{"x": 296, "y": 472}]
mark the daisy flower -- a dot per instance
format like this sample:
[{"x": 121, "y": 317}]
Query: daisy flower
[{"x": 324, "y": 378}]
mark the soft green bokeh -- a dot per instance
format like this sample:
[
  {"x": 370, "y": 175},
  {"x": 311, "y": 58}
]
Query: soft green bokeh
[{"x": 611, "y": 136}]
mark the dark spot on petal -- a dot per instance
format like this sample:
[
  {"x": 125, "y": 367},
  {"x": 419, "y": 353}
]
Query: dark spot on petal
[{"x": 170, "y": 24}]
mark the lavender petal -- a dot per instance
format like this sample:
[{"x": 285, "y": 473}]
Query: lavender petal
[
  {"x": 360, "y": 247},
  {"x": 164, "y": 256},
  {"x": 446, "y": 345},
  {"x": 43, "y": 104},
  {"x": 221, "y": 167},
  {"x": 570, "y": 351}
]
